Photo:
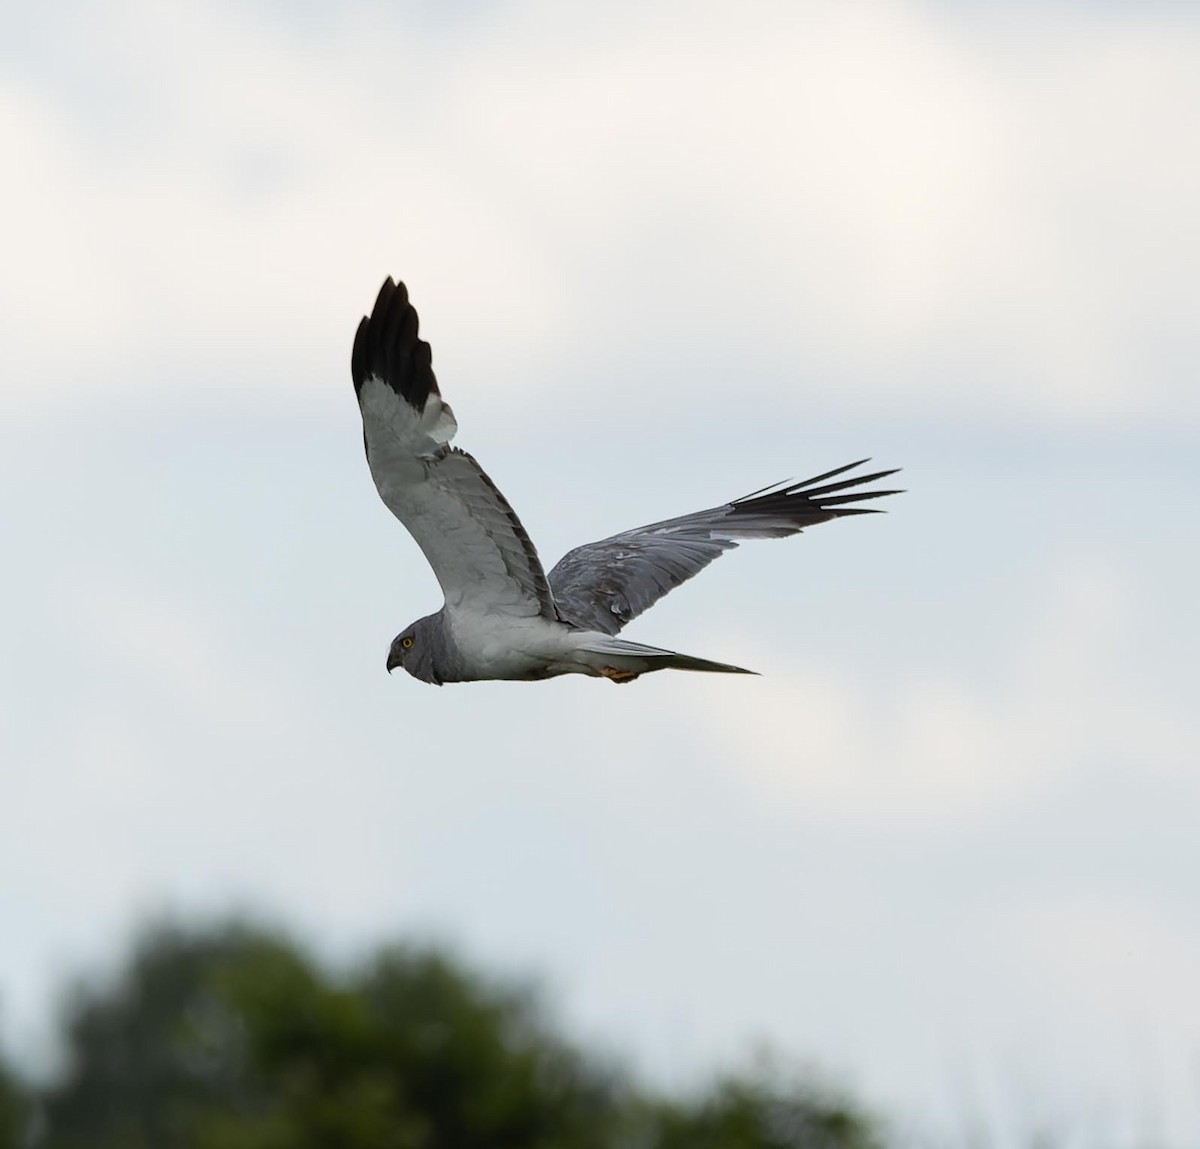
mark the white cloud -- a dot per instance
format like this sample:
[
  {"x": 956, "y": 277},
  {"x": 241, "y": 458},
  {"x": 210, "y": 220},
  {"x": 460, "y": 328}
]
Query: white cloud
[
  {"x": 180, "y": 657},
  {"x": 942, "y": 748},
  {"x": 1104, "y": 955},
  {"x": 907, "y": 210}
]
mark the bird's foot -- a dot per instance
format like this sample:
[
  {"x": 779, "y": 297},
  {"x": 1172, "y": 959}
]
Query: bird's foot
[{"x": 615, "y": 675}]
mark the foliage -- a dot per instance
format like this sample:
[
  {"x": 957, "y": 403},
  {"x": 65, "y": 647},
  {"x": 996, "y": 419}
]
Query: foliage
[
  {"x": 763, "y": 1111},
  {"x": 13, "y": 1111},
  {"x": 233, "y": 1038}
]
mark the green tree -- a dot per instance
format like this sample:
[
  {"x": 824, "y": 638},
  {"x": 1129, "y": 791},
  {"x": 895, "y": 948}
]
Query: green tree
[
  {"x": 763, "y": 1110},
  {"x": 234, "y": 1038},
  {"x": 13, "y": 1111}
]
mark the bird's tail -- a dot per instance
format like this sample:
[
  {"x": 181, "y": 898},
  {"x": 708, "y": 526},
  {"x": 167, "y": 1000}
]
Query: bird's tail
[{"x": 622, "y": 660}]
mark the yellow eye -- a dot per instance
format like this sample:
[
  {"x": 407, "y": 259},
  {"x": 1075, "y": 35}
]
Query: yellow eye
[{"x": 406, "y": 643}]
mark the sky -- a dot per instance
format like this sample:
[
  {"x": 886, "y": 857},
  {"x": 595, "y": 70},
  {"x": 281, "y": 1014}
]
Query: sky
[{"x": 944, "y": 851}]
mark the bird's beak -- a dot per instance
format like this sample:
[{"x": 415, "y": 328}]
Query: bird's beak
[{"x": 392, "y": 662}]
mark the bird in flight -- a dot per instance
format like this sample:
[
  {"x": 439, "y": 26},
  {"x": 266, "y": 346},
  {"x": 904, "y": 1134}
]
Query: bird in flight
[{"x": 503, "y": 616}]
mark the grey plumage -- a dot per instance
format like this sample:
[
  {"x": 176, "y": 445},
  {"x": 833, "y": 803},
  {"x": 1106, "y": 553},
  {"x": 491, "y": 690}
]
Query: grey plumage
[
  {"x": 426, "y": 650},
  {"x": 609, "y": 583},
  {"x": 503, "y": 616}
]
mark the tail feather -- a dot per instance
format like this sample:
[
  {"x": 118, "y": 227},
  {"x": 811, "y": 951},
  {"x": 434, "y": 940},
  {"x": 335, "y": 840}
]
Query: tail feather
[{"x": 610, "y": 653}]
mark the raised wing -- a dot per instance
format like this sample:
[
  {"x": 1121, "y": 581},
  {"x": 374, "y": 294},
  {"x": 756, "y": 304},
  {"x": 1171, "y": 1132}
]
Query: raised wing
[
  {"x": 604, "y": 585},
  {"x": 483, "y": 559}
]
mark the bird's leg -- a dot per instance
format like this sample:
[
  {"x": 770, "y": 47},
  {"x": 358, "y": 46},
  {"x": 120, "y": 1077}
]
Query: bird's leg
[{"x": 615, "y": 675}]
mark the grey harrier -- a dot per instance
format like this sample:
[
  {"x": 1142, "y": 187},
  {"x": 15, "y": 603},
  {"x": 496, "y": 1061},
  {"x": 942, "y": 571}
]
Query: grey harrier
[{"x": 503, "y": 616}]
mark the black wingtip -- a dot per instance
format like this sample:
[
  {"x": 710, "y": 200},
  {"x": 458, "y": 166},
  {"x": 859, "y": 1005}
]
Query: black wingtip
[
  {"x": 830, "y": 474},
  {"x": 815, "y": 500},
  {"x": 387, "y": 346}
]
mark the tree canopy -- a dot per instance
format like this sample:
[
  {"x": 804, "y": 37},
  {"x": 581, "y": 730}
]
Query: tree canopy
[
  {"x": 13, "y": 1111},
  {"x": 233, "y": 1037}
]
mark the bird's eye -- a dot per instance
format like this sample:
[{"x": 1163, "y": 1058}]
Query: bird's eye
[{"x": 406, "y": 643}]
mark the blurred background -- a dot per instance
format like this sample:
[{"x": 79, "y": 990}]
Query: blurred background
[{"x": 944, "y": 851}]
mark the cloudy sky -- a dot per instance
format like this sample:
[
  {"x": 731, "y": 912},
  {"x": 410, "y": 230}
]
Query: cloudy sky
[{"x": 946, "y": 847}]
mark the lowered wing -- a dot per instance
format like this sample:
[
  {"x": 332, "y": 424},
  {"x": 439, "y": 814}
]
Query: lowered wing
[
  {"x": 604, "y": 585},
  {"x": 480, "y": 553}
]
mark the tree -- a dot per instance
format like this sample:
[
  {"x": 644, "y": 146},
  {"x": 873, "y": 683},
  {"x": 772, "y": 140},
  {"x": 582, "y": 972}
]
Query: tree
[
  {"x": 762, "y": 1110},
  {"x": 234, "y": 1038},
  {"x": 13, "y": 1111}
]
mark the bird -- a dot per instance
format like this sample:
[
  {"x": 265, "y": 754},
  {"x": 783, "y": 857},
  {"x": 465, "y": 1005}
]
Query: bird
[{"x": 503, "y": 617}]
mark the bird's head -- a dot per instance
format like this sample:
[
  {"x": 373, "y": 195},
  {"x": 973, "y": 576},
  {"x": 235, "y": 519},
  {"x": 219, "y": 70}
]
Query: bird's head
[{"x": 413, "y": 648}]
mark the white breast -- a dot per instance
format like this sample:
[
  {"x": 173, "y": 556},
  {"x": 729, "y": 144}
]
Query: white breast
[{"x": 508, "y": 647}]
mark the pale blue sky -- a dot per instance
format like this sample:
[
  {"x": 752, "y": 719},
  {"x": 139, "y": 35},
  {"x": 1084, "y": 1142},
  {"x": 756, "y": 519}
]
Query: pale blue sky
[{"x": 946, "y": 846}]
